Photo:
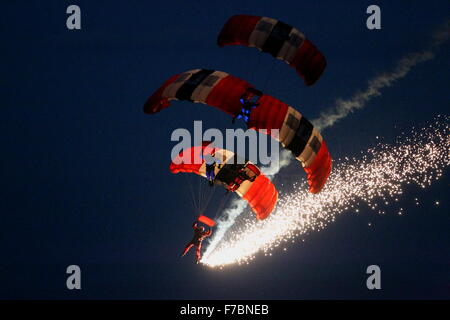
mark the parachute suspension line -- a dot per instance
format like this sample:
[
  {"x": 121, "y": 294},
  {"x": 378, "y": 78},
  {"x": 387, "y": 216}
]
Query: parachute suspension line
[
  {"x": 254, "y": 72},
  {"x": 221, "y": 206},
  {"x": 200, "y": 200},
  {"x": 202, "y": 195},
  {"x": 208, "y": 198},
  {"x": 269, "y": 75},
  {"x": 249, "y": 67},
  {"x": 192, "y": 193}
]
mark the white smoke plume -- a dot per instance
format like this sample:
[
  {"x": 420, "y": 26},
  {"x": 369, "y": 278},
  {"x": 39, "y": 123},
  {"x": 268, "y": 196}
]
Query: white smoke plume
[{"x": 404, "y": 66}]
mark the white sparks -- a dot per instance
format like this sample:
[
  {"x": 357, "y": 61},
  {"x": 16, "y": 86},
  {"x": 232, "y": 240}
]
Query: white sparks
[{"x": 374, "y": 179}]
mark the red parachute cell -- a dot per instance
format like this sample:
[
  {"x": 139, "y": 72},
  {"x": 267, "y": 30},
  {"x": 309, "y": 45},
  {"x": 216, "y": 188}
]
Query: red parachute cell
[
  {"x": 281, "y": 40},
  {"x": 272, "y": 116},
  {"x": 241, "y": 177}
]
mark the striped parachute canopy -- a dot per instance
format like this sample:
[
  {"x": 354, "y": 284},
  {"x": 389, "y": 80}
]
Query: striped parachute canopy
[
  {"x": 224, "y": 91},
  {"x": 281, "y": 40},
  {"x": 241, "y": 177}
]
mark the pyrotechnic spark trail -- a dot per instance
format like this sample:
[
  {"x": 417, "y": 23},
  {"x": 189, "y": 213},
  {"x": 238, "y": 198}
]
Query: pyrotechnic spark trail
[{"x": 376, "y": 179}]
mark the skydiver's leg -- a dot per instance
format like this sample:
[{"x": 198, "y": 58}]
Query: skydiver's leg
[
  {"x": 198, "y": 252},
  {"x": 210, "y": 175},
  {"x": 239, "y": 116},
  {"x": 187, "y": 248},
  {"x": 236, "y": 117}
]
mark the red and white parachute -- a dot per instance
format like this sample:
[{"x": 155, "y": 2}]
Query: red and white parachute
[
  {"x": 241, "y": 177},
  {"x": 281, "y": 40},
  {"x": 223, "y": 91}
]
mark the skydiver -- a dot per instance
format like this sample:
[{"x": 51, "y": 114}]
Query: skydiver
[
  {"x": 199, "y": 235},
  {"x": 210, "y": 162},
  {"x": 247, "y": 107}
]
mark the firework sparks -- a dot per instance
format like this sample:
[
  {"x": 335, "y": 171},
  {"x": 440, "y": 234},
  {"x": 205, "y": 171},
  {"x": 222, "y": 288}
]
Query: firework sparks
[{"x": 376, "y": 180}]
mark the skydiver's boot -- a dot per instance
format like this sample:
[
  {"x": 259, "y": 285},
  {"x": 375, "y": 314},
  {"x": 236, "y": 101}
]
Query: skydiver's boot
[
  {"x": 211, "y": 182},
  {"x": 237, "y": 117},
  {"x": 186, "y": 249}
]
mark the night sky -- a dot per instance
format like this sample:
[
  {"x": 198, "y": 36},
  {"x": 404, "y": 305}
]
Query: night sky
[{"x": 84, "y": 172}]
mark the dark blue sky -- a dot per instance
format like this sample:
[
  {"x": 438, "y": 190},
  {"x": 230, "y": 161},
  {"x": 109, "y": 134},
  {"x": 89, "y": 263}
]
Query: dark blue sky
[{"x": 84, "y": 172}]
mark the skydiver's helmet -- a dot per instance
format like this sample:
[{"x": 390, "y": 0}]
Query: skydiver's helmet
[{"x": 209, "y": 152}]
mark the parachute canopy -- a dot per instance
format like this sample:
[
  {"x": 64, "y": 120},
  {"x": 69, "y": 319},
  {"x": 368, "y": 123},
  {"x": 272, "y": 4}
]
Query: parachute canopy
[
  {"x": 241, "y": 177},
  {"x": 281, "y": 40},
  {"x": 223, "y": 91},
  {"x": 206, "y": 220}
]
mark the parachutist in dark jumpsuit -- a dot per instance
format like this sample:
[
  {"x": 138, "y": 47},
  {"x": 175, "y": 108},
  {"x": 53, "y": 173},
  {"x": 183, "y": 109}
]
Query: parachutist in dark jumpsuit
[
  {"x": 210, "y": 162},
  {"x": 247, "y": 107},
  {"x": 199, "y": 235}
]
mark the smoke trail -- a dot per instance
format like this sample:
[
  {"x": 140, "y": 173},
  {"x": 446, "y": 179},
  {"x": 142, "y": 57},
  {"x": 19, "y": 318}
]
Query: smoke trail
[
  {"x": 404, "y": 66},
  {"x": 328, "y": 118},
  {"x": 275, "y": 167}
]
